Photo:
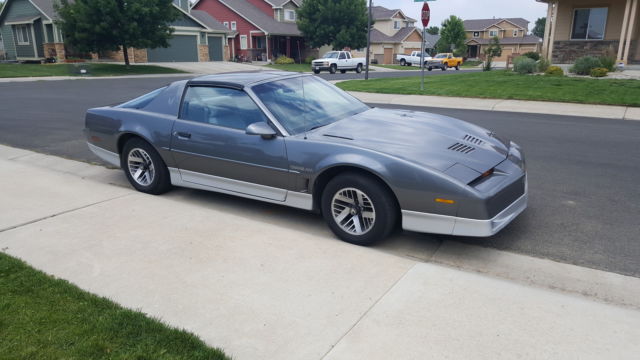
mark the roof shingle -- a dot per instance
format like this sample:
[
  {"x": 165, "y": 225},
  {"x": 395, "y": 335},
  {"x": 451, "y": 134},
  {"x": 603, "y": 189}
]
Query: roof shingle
[
  {"x": 481, "y": 24},
  {"x": 260, "y": 19}
]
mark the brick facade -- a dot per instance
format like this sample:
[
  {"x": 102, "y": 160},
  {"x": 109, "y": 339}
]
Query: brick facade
[
  {"x": 135, "y": 55},
  {"x": 203, "y": 52},
  {"x": 55, "y": 50},
  {"x": 565, "y": 52}
]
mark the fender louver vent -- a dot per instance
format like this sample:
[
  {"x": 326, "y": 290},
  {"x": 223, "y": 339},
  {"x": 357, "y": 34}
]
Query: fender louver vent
[
  {"x": 465, "y": 149},
  {"x": 473, "y": 139}
]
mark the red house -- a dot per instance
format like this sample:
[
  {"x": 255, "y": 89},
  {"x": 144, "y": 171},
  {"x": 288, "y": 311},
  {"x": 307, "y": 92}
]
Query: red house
[{"x": 264, "y": 29}]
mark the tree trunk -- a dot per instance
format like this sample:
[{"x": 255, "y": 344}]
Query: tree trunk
[{"x": 125, "y": 52}]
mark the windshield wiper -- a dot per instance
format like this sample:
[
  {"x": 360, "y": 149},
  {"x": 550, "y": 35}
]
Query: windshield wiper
[{"x": 317, "y": 127}]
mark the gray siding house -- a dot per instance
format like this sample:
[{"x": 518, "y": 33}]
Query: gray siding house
[{"x": 29, "y": 32}]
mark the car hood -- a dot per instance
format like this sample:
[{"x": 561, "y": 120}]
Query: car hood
[{"x": 432, "y": 140}]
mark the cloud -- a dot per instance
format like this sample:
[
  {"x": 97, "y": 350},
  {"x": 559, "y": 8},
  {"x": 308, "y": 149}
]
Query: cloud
[{"x": 470, "y": 9}]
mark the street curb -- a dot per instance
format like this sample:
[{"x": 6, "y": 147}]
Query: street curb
[
  {"x": 594, "y": 284},
  {"x": 522, "y": 106}
]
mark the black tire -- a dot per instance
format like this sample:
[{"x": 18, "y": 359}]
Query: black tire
[
  {"x": 359, "y": 69},
  {"x": 160, "y": 182},
  {"x": 316, "y": 72},
  {"x": 429, "y": 68},
  {"x": 383, "y": 203},
  {"x": 343, "y": 71},
  {"x": 426, "y": 63},
  {"x": 403, "y": 62},
  {"x": 444, "y": 68},
  {"x": 333, "y": 68},
  {"x": 458, "y": 67}
]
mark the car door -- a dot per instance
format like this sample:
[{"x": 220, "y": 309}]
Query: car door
[
  {"x": 342, "y": 60},
  {"x": 211, "y": 148}
]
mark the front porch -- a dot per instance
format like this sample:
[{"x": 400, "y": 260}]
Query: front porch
[{"x": 261, "y": 47}]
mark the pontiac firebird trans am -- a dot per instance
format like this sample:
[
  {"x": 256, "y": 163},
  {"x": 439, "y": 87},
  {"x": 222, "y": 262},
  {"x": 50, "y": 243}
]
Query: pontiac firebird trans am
[{"x": 296, "y": 140}]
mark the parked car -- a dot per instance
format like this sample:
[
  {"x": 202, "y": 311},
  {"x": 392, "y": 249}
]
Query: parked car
[
  {"x": 338, "y": 60},
  {"x": 297, "y": 140},
  {"x": 414, "y": 58},
  {"x": 443, "y": 61}
]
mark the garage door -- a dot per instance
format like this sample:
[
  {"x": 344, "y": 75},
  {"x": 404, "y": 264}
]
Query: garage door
[
  {"x": 215, "y": 48},
  {"x": 181, "y": 48}
]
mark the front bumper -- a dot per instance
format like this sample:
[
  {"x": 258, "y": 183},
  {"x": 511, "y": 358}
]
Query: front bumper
[{"x": 452, "y": 225}]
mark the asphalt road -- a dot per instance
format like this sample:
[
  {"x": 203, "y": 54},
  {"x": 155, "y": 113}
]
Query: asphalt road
[{"x": 583, "y": 172}]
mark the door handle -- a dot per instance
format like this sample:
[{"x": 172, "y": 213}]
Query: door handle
[{"x": 182, "y": 135}]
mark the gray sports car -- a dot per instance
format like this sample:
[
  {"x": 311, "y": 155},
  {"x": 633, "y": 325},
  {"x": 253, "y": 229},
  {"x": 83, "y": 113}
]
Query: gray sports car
[{"x": 296, "y": 140}]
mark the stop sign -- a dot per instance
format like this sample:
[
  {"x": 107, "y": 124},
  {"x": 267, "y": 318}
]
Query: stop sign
[{"x": 426, "y": 14}]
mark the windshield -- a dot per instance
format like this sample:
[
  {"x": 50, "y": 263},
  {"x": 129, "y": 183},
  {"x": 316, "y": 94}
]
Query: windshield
[
  {"x": 306, "y": 102},
  {"x": 331, "y": 55},
  {"x": 441, "y": 56}
]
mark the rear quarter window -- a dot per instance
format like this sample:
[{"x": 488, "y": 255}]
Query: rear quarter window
[{"x": 142, "y": 101}]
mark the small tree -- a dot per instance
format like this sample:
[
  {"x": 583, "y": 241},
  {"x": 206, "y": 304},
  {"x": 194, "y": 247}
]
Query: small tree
[
  {"x": 108, "y": 25},
  {"x": 538, "y": 30},
  {"x": 340, "y": 23},
  {"x": 433, "y": 30},
  {"x": 493, "y": 50},
  {"x": 452, "y": 37}
]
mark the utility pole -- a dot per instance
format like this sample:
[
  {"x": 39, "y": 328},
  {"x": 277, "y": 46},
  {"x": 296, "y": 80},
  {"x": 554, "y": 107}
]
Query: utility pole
[{"x": 366, "y": 71}]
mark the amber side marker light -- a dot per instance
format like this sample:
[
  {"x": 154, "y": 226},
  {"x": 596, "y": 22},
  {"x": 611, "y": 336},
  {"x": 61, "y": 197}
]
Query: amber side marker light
[{"x": 445, "y": 201}]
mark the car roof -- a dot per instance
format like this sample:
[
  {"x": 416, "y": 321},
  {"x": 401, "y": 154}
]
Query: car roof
[{"x": 240, "y": 79}]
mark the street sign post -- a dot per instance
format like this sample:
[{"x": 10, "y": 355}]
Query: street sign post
[{"x": 425, "y": 16}]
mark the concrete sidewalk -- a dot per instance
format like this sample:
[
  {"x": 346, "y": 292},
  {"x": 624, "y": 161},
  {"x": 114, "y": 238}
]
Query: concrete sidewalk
[
  {"x": 535, "y": 107},
  {"x": 267, "y": 282}
]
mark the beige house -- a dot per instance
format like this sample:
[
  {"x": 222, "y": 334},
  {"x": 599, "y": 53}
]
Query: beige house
[
  {"x": 393, "y": 33},
  {"x": 592, "y": 27},
  {"x": 512, "y": 32}
]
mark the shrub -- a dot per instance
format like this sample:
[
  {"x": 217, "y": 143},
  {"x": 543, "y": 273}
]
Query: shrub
[
  {"x": 543, "y": 65},
  {"x": 599, "y": 72},
  {"x": 608, "y": 62},
  {"x": 309, "y": 59},
  {"x": 524, "y": 65},
  {"x": 283, "y": 60},
  {"x": 585, "y": 64},
  {"x": 554, "y": 71},
  {"x": 532, "y": 55}
]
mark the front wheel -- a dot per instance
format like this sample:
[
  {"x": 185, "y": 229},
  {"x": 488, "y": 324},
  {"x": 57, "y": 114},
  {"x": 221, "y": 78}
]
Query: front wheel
[
  {"x": 403, "y": 62},
  {"x": 359, "y": 209},
  {"x": 332, "y": 69},
  {"x": 144, "y": 168},
  {"x": 444, "y": 68},
  {"x": 429, "y": 68},
  {"x": 458, "y": 67},
  {"x": 359, "y": 68},
  {"x": 316, "y": 72}
]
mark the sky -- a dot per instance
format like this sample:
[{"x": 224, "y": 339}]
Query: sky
[{"x": 470, "y": 9}]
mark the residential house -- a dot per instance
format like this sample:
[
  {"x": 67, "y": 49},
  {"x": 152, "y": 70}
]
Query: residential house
[
  {"x": 578, "y": 28},
  {"x": 513, "y": 34},
  {"x": 29, "y": 32},
  {"x": 265, "y": 29},
  {"x": 393, "y": 33}
]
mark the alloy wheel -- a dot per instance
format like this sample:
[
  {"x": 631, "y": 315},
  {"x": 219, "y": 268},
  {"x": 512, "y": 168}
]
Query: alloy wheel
[
  {"x": 353, "y": 211},
  {"x": 141, "y": 167}
]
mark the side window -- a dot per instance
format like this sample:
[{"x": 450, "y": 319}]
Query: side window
[
  {"x": 342, "y": 56},
  {"x": 220, "y": 106}
]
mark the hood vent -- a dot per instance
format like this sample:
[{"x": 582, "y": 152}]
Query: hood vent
[
  {"x": 465, "y": 149},
  {"x": 473, "y": 140}
]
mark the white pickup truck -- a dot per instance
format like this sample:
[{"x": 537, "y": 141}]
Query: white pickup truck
[
  {"x": 337, "y": 60},
  {"x": 414, "y": 58}
]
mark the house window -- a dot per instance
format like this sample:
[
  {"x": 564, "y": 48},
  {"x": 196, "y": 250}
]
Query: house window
[
  {"x": 290, "y": 15},
  {"x": 493, "y": 33},
  {"x": 589, "y": 24},
  {"x": 22, "y": 34},
  {"x": 226, "y": 24},
  {"x": 515, "y": 33},
  {"x": 243, "y": 42},
  {"x": 233, "y": 25},
  {"x": 476, "y": 34},
  {"x": 396, "y": 24}
]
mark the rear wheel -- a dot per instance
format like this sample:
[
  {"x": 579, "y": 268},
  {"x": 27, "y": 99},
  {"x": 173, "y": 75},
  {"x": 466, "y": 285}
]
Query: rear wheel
[
  {"x": 458, "y": 67},
  {"x": 333, "y": 68},
  {"x": 359, "y": 68},
  {"x": 144, "y": 168},
  {"x": 359, "y": 209},
  {"x": 444, "y": 68},
  {"x": 429, "y": 68}
]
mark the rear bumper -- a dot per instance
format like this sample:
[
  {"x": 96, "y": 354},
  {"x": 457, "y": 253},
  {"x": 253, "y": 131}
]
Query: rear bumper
[
  {"x": 452, "y": 225},
  {"x": 106, "y": 155}
]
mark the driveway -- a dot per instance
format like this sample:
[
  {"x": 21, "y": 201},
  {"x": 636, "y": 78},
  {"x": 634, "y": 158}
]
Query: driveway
[{"x": 210, "y": 67}]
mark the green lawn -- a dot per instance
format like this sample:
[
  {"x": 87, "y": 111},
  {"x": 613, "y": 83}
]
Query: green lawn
[
  {"x": 46, "y": 318},
  {"x": 93, "y": 69},
  {"x": 291, "y": 67},
  {"x": 509, "y": 85}
]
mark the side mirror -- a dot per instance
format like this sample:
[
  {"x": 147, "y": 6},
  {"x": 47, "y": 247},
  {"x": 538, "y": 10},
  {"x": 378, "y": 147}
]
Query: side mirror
[{"x": 261, "y": 128}]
